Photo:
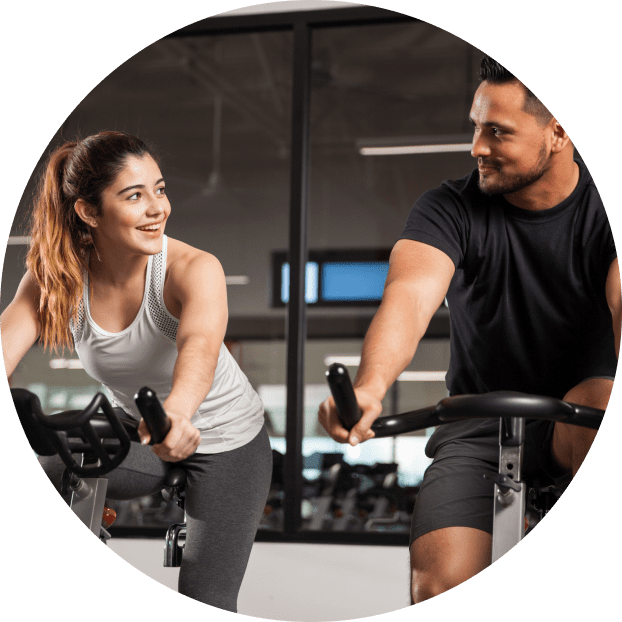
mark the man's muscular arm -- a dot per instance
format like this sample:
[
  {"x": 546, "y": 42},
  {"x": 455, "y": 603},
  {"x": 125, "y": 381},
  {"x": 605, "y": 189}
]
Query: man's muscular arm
[
  {"x": 418, "y": 280},
  {"x": 614, "y": 299}
]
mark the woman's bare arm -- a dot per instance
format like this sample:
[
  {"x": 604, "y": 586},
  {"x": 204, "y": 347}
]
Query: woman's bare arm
[{"x": 19, "y": 323}]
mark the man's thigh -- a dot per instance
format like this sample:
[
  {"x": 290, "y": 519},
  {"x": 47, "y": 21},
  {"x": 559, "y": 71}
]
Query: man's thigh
[
  {"x": 454, "y": 491},
  {"x": 452, "y": 521}
]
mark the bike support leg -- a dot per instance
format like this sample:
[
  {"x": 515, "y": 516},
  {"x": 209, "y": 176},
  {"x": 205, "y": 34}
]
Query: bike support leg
[
  {"x": 510, "y": 491},
  {"x": 90, "y": 507},
  {"x": 88, "y": 497}
]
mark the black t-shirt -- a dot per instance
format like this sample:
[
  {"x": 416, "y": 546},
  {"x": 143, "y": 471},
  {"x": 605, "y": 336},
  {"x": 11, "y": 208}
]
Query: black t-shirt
[{"x": 527, "y": 303}]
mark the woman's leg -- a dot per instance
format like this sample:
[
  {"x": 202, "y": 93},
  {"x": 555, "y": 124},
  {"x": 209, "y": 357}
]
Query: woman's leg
[
  {"x": 225, "y": 497},
  {"x": 140, "y": 474}
]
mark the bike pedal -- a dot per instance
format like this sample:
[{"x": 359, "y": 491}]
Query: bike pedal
[{"x": 108, "y": 517}]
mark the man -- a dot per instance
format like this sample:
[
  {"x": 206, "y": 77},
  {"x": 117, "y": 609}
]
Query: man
[{"x": 523, "y": 251}]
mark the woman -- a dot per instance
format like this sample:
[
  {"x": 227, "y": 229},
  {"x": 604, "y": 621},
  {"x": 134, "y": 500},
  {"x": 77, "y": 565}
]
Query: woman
[{"x": 142, "y": 309}]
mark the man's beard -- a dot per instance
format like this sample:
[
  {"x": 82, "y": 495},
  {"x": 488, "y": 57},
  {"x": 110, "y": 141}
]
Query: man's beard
[{"x": 506, "y": 184}]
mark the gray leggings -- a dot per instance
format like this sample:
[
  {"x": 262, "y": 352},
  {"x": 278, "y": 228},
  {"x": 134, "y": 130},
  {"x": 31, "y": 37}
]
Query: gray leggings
[{"x": 225, "y": 497}]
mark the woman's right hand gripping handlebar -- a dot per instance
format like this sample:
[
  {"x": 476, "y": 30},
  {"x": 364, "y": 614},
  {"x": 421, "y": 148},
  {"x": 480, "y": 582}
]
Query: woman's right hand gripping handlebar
[
  {"x": 180, "y": 442},
  {"x": 370, "y": 407}
]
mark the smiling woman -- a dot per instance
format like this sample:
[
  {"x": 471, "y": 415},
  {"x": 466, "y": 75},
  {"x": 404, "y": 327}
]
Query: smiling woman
[{"x": 141, "y": 309}]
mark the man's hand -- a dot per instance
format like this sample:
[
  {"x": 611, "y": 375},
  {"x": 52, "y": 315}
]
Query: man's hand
[
  {"x": 371, "y": 409},
  {"x": 181, "y": 441}
]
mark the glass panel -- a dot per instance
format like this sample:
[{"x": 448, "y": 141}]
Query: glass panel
[
  {"x": 383, "y": 85},
  {"x": 217, "y": 109}
]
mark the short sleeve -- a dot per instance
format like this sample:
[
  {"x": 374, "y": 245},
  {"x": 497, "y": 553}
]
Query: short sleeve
[{"x": 439, "y": 220}]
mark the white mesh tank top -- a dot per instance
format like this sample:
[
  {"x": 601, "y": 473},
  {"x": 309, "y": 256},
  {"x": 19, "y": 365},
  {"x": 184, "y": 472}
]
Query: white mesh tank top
[{"x": 144, "y": 354}]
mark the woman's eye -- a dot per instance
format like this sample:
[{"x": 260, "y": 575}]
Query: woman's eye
[
  {"x": 161, "y": 190},
  {"x": 134, "y": 196}
]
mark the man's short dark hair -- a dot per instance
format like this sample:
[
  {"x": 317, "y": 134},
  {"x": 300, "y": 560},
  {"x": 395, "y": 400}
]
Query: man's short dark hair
[{"x": 495, "y": 73}]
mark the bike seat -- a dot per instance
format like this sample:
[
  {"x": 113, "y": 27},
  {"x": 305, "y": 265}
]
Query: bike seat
[{"x": 175, "y": 478}]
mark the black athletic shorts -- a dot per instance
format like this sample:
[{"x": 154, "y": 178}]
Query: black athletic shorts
[{"x": 454, "y": 491}]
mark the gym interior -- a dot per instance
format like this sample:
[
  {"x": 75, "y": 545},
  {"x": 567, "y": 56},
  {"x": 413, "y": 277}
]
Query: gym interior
[{"x": 293, "y": 143}]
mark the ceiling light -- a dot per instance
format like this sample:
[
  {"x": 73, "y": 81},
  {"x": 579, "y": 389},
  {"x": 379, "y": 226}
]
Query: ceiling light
[
  {"x": 415, "y": 149},
  {"x": 401, "y": 145}
]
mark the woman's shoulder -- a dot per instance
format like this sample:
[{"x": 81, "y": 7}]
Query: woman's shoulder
[{"x": 184, "y": 260}]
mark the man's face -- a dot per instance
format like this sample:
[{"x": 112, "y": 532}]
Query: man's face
[{"x": 512, "y": 148}]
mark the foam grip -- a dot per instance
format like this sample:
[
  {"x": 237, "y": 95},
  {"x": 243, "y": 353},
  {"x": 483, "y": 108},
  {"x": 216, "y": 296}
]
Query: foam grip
[
  {"x": 152, "y": 412},
  {"x": 343, "y": 394}
]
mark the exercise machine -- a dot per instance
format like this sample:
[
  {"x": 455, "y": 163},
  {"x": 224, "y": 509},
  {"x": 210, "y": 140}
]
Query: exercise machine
[
  {"x": 91, "y": 443},
  {"x": 511, "y": 492}
]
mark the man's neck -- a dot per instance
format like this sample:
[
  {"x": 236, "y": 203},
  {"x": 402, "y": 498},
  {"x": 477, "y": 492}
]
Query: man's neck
[{"x": 550, "y": 190}]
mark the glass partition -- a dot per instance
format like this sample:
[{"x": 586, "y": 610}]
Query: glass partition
[{"x": 376, "y": 91}]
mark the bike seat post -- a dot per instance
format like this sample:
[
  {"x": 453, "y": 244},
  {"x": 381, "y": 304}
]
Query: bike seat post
[{"x": 510, "y": 491}]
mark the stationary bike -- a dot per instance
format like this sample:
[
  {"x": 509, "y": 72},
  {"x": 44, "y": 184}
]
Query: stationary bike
[
  {"x": 101, "y": 437},
  {"x": 511, "y": 492}
]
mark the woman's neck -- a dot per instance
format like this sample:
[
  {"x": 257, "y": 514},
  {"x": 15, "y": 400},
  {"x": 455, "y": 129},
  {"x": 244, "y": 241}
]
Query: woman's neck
[{"x": 117, "y": 269}]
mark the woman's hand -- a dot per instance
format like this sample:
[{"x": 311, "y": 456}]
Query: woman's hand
[
  {"x": 370, "y": 408},
  {"x": 181, "y": 441}
]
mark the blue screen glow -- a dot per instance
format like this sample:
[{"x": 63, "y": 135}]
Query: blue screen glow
[
  {"x": 353, "y": 280},
  {"x": 311, "y": 282}
]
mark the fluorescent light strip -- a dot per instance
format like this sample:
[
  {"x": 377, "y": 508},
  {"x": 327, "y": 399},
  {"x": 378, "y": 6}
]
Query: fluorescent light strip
[
  {"x": 406, "y": 376},
  {"x": 237, "y": 280},
  {"x": 422, "y": 376},
  {"x": 348, "y": 361},
  {"x": 19, "y": 239},
  {"x": 410, "y": 149},
  {"x": 66, "y": 364}
]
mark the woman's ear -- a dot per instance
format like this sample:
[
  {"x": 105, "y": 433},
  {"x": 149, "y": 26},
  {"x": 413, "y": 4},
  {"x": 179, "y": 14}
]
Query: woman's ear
[{"x": 85, "y": 212}]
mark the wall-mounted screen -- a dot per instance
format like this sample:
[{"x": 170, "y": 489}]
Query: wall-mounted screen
[{"x": 335, "y": 278}]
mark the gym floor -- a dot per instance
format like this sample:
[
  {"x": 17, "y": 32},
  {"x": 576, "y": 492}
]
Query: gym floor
[{"x": 334, "y": 583}]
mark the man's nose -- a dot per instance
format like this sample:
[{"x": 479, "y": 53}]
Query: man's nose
[{"x": 480, "y": 147}]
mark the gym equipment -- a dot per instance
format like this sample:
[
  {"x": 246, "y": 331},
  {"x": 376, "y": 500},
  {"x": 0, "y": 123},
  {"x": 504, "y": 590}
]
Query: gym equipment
[
  {"x": 101, "y": 436},
  {"x": 512, "y": 408}
]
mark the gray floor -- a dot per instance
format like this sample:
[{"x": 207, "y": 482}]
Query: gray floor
[{"x": 309, "y": 582}]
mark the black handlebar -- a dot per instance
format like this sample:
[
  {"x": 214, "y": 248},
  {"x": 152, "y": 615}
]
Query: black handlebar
[
  {"x": 83, "y": 431},
  {"x": 497, "y": 404},
  {"x": 152, "y": 412}
]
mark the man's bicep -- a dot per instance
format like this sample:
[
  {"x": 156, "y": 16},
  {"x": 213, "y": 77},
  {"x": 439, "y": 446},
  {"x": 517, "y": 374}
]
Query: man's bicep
[
  {"x": 613, "y": 291},
  {"x": 422, "y": 271},
  {"x": 613, "y": 288}
]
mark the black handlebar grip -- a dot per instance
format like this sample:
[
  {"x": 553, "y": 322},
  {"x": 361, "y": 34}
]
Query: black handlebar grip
[
  {"x": 343, "y": 394},
  {"x": 152, "y": 412}
]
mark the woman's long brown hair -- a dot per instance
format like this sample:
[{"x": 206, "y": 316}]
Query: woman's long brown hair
[{"x": 60, "y": 240}]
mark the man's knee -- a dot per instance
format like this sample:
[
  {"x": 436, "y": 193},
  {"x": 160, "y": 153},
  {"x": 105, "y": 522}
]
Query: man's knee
[{"x": 444, "y": 558}]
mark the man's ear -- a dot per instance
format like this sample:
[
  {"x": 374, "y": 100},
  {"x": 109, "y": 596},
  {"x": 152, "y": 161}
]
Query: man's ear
[
  {"x": 85, "y": 212},
  {"x": 560, "y": 138}
]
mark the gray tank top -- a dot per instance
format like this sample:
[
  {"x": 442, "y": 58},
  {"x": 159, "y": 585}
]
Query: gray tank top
[{"x": 144, "y": 354}]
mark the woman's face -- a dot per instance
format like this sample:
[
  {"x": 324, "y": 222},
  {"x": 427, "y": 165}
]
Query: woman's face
[{"x": 134, "y": 209}]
